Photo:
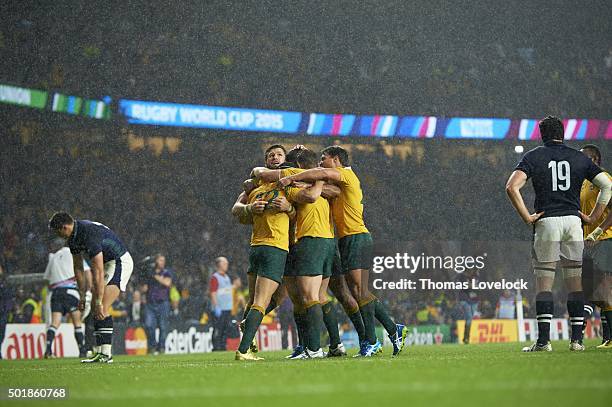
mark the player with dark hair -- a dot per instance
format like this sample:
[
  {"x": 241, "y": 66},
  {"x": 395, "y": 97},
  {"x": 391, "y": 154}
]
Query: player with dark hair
[
  {"x": 354, "y": 243},
  {"x": 557, "y": 172},
  {"x": 597, "y": 256},
  {"x": 274, "y": 157},
  {"x": 310, "y": 263},
  {"x": 111, "y": 265}
]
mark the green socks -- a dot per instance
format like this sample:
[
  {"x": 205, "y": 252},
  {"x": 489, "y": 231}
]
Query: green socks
[
  {"x": 299, "y": 316},
  {"x": 253, "y": 320},
  {"x": 355, "y": 317},
  {"x": 368, "y": 310},
  {"x": 314, "y": 315},
  {"x": 383, "y": 317},
  {"x": 331, "y": 323}
]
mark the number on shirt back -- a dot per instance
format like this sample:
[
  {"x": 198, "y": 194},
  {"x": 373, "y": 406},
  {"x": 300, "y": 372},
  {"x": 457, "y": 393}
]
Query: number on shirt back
[{"x": 560, "y": 175}]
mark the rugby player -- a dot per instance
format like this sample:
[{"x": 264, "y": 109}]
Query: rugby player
[
  {"x": 599, "y": 256},
  {"x": 64, "y": 295},
  {"x": 355, "y": 244},
  {"x": 274, "y": 157},
  {"x": 112, "y": 267},
  {"x": 268, "y": 253},
  {"x": 557, "y": 173}
]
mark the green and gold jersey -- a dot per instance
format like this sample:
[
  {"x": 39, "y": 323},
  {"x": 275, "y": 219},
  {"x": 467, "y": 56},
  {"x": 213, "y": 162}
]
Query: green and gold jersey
[
  {"x": 588, "y": 200},
  {"x": 313, "y": 219},
  {"x": 270, "y": 228},
  {"x": 347, "y": 208}
]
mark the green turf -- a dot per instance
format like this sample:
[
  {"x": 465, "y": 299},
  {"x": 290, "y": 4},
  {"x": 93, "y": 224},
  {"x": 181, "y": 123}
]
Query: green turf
[{"x": 453, "y": 375}]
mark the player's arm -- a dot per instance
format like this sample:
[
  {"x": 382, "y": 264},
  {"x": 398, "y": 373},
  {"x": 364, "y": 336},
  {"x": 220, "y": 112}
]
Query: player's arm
[
  {"x": 310, "y": 194},
  {"x": 266, "y": 174},
  {"x": 603, "y": 182},
  {"x": 79, "y": 274},
  {"x": 330, "y": 191},
  {"x": 605, "y": 225},
  {"x": 97, "y": 269},
  {"x": 314, "y": 174},
  {"x": 517, "y": 181}
]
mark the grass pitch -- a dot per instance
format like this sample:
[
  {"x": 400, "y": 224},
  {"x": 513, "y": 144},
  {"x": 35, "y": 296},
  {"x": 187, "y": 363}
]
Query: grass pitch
[{"x": 450, "y": 375}]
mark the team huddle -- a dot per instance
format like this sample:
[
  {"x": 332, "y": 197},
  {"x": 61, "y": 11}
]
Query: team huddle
[{"x": 309, "y": 237}]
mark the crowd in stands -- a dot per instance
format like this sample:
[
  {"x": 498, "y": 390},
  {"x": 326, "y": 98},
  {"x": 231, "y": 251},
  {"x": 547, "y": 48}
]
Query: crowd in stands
[{"x": 504, "y": 61}]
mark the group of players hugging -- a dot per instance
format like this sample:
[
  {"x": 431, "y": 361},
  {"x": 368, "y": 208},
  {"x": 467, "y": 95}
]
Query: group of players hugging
[{"x": 308, "y": 237}]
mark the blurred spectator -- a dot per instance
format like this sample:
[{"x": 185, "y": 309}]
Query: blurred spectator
[
  {"x": 30, "y": 310},
  {"x": 158, "y": 304},
  {"x": 505, "y": 305},
  {"x": 120, "y": 314},
  {"x": 136, "y": 309},
  {"x": 221, "y": 302}
]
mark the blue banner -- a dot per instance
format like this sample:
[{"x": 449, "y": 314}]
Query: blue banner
[
  {"x": 173, "y": 114},
  {"x": 477, "y": 128}
]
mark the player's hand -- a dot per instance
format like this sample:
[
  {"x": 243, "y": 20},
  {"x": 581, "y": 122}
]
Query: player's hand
[
  {"x": 586, "y": 219},
  {"x": 259, "y": 206},
  {"x": 281, "y": 204},
  {"x": 300, "y": 184},
  {"x": 82, "y": 303},
  {"x": 594, "y": 235},
  {"x": 99, "y": 312},
  {"x": 248, "y": 185},
  {"x": 533, "y": 218},
  {"x": 285, "y": 182},
  {"x": 299, "y": 147}
]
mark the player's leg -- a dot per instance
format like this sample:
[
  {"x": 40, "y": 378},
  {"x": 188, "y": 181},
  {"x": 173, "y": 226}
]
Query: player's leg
[
  {"x": 330, "y": 320},
  {"x": 308, "y": 287},
  {"x": 545, "y": 275},
  {"x": 277, "y": 298},
  {"x": 546, "y": 253},
  {"x": 299, "y": 315},
  {"x": 339, "y": 287},
  {"x": 252, "y": 278},
  {"x": 268, "y": 263},
  {"x": 572, "y": 252},
  {"x": 575, "y": 298},
  {"x": 56, "y": 319},
  {"x": 264, "y": 288},
  {"x": 105, "y": 326}
]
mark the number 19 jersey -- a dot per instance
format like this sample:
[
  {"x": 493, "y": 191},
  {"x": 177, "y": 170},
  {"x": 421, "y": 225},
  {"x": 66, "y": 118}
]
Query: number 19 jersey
[{"x": 557, "y": 172}]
